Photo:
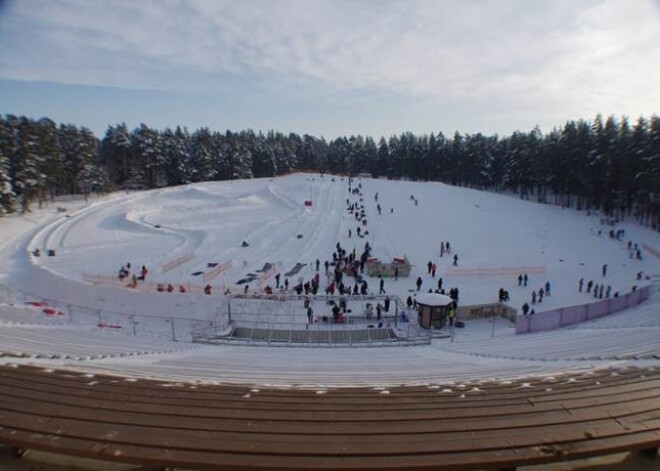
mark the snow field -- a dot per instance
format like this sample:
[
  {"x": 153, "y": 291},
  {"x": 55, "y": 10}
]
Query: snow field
[{"x": 212, "y": 219}]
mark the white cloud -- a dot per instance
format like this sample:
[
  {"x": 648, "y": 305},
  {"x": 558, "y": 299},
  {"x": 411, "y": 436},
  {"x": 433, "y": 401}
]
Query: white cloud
[{"x": 579, "y": 58}]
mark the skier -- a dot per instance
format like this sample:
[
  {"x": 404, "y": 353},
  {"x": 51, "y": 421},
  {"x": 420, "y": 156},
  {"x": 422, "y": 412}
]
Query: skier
[
  {"x": 455, "y": 259},
  {"x": 277, "y": 280},
  {"x": 382, "y": 286},
  {"x": 533, "y": 297},
  {"x": 580, "y": 285},
  {"x": 429, "y": 266},
  {"x": 547, "y": 288},
  {"x": 520, "y": 279},
  {"x": 604, "y": 270},
  {"x": 387, "y": 303},
  {"x": 419, "y": 283},
  {"x": 317, "y": 264},
  {"x": 396, "y": 273},
  {"x": 440, "y": 284},
  {"x": 433, "y": 268},
  {"x": 310, "y": 315},
  {"x": 589, "y": 285},
  {"x": 525, "y": 279}
]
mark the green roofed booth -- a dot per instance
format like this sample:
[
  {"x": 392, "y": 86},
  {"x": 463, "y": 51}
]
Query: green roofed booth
[{"x": 433, "y": 310}]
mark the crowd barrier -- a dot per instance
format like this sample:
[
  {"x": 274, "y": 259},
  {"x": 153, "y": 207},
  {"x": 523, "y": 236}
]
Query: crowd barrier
[
  {"x": 170, "y": 327},
  {"x": 483, "y": 271},
  {"x": 264, "y": 276},
  {"x": 141, "y": 286},
  {"x": 217, "y": 270},
  {"x": 176, "y": 262},
  {"x": 565, "y": 316},
  {"x": 651, "y": 250}
]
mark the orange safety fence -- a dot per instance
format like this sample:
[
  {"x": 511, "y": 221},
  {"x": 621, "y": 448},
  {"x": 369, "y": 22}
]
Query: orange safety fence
[
  {"x": 217, "y": 270},
  {"x": 484, "y": 271},
  {"x": 651, "y": 250},
  {"x": 176, "y": 262},
  {"x": 265, "y": 275},
  {"x": 143, "y": 286}
]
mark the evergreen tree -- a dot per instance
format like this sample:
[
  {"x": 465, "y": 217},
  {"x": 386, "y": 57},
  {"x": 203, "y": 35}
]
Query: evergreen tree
[
  {"x": 7, "y": 195},
  {"x": 200, "y": 165},
  {"x": 48, "y": 148},
  {"x": 25, "y": 163},
  {"x": 175, "y": 154},
  {"x": 383, "y": 159}
]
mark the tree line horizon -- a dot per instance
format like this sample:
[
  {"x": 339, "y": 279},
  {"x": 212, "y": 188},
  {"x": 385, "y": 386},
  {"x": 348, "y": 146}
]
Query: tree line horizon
[{"x": 605, "y": 164}]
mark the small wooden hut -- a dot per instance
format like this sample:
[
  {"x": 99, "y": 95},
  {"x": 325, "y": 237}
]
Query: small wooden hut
[{"x": 433, "y": 310}]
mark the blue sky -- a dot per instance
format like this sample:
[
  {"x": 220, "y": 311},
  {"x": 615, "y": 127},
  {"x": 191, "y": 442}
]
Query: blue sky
[{"x": 330, "y": 68}]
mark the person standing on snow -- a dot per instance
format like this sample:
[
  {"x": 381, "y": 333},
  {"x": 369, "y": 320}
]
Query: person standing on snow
[{"x": 419, "y": 283}]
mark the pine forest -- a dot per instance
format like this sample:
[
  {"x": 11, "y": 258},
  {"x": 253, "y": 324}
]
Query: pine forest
[{"x": 608, "y": 164}]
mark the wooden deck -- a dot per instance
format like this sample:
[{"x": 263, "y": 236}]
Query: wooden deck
[{"x": 481, "y": 425}]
